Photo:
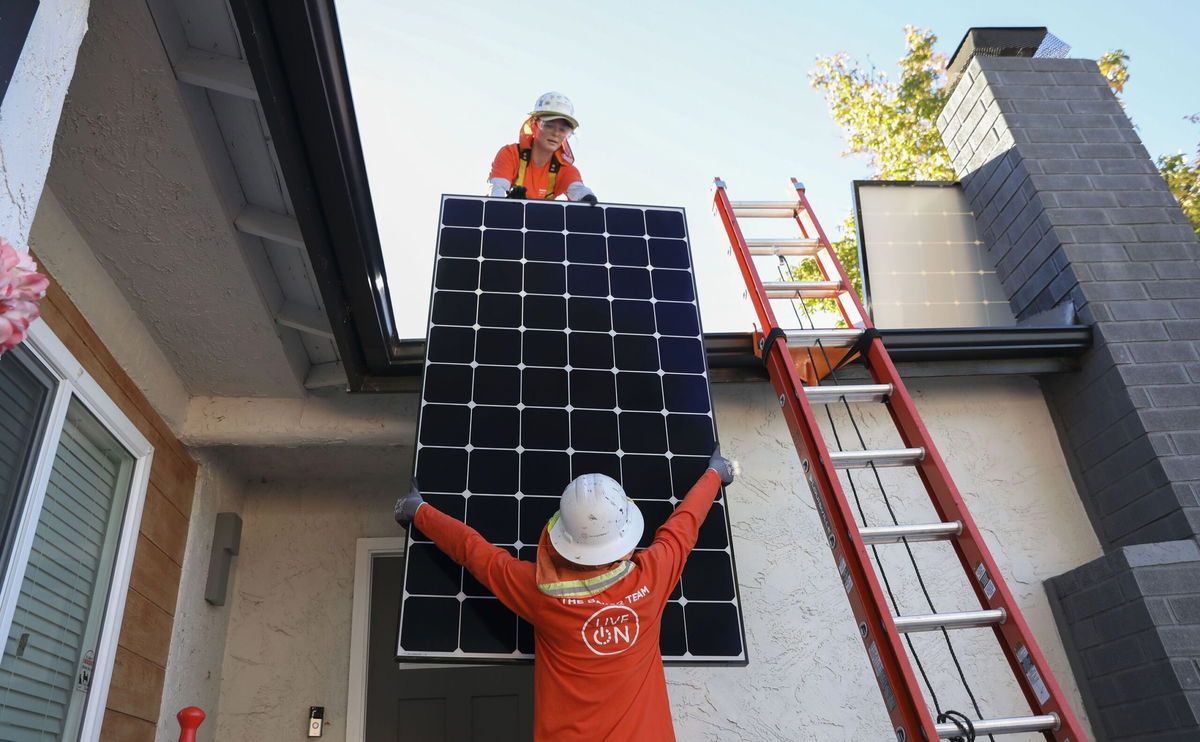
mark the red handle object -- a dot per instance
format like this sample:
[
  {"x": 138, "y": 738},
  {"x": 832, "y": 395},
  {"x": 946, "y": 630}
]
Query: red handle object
[{"x": 190, "y": 720}]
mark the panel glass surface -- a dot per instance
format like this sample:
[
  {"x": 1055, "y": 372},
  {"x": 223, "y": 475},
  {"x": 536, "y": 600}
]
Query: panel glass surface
[
  {"x": 563, "y": 339},
  {"x": 925, "y": 263}
]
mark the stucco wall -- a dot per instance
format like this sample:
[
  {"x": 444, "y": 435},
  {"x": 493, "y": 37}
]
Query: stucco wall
[
  {"x": 808, "y": 675},
  {"x": 66, "y": 254},
  {"x": 198, "y": 635},
  {"x": 31, "y": 109},
  {"x": 291, "y": 598}
]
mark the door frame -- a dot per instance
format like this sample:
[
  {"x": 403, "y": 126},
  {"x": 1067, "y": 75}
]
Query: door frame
[
  {"x": 366, "y": 549},
  {"x": 74, "y": 381}
]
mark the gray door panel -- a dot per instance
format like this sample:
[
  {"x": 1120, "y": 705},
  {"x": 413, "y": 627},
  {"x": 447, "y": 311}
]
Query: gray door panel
[{"x": 445, "y": 704}]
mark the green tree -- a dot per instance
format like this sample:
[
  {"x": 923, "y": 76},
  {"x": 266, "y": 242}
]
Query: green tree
[
  {"x": 893, "y": 125},
  {"x": 1114, "y": 66},
  {"x": 1183, "y": 178}
]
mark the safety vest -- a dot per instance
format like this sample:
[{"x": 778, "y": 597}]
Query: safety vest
[{"x": 525, "y": 155}]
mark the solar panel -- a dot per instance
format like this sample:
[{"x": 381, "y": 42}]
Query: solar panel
[
  {"x": 924, "y": 261},
  {"x": 563, "y": 339}
]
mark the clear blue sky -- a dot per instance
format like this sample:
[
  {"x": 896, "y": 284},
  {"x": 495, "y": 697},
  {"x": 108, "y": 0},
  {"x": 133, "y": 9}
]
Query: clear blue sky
[{"x": 671, "y": 94}]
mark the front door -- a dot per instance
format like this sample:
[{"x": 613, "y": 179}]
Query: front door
[{"x": 444, "y": 704}]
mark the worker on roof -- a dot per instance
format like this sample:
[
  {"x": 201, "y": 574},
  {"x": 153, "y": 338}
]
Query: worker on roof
[
  {"x": 595, "y": 605},
  {"x": 540, "y": 164}
]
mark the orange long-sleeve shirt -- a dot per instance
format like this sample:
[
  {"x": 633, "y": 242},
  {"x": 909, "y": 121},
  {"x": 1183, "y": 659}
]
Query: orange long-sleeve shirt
[
  {"x": 598, "y": 672},
  {"x": 537, "y": 179}
]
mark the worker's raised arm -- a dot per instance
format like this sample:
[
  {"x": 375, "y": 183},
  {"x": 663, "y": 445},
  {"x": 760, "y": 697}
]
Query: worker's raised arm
[
  {"x": 674, "y": 540},
  {"x": 510, "y": 579}
]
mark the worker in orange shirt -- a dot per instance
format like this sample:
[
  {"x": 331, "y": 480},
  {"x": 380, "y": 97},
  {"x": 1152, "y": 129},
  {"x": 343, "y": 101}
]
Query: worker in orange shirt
[
  {"x": 540, "y": 164},
  {"x": 595, "y": 605}
]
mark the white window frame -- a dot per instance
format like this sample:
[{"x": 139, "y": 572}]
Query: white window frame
[
  {"x": 360, "y": 624},
  {"x": 74, "y": 381}
]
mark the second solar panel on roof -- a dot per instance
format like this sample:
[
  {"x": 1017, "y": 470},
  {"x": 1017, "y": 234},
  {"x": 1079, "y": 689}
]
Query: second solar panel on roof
[{"x": 563, "y": 339}]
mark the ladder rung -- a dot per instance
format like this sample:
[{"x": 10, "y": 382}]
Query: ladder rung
[
  {"x": 789, "y": 205},
  {"x": 961, "y": 620},
  {"x": 824, "y": 338},
  {"x": 1011, "y": 725},
  {"x": 802, "y": 289},
  {"x": 914, "y": 532},
  {"x": 764, "y": 213},
  {"x": 882, "y": 457},
  {"x": 783, "y": 247},
  {"x": 834, "y": 393}
]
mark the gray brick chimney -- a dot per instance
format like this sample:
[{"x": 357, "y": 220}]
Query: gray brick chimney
[{"x": 1074, "y": 211}]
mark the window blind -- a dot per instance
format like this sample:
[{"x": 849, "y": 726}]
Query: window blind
[
  {"x": 58, "y": 613},
  {"x": 24, "y": 402}
]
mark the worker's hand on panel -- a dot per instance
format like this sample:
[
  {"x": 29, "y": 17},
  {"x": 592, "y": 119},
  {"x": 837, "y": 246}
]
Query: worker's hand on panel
[
  {"x": 589, "y": 199},
  {"x": 724, "y": 468},
  {"x": 517, "y": 192},
  {"x": 406, "y": 506}
]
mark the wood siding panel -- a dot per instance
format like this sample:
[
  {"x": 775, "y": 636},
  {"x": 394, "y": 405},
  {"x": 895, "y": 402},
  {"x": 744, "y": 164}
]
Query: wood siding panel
[
  {"x": 144, "y": 642},
  {"x": 175, "y": 482},
  {"x": 155, "y": 576},
  {"x": 146, "y": 629},
  {"x": 164, "y": 525},
  {"x": 120, "y": 727},
  {"x": 136, "y": 687}
]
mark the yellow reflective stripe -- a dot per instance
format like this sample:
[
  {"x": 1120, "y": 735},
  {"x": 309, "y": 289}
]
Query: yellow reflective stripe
[
  {"x": 588, "y": 587},
  {"x": 550, "y": 185}
]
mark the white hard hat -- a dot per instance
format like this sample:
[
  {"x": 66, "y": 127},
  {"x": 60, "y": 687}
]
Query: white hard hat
[
  {"x": 595, "y": 523},
  {"x": 554, "y": 105}
]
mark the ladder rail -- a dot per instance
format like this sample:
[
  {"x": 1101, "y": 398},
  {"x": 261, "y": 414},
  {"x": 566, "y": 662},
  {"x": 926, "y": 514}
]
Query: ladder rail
[
  {"x": 905, "y": 704},
  {"x": 877, "y": 629}
]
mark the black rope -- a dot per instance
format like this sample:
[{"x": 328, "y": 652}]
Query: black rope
[
  {"x": 887, "y": 585},
  {"x": 965, "y": 728},
  {"x": 917, "y": 572},
  {"x": 860, "y": 346}
]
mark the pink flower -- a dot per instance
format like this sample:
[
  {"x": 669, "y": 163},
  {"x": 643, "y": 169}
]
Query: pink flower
[{"x": 21, "y": 287}]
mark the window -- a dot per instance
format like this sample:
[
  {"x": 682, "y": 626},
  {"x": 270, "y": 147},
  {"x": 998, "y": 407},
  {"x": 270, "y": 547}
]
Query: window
[{"x": 73, "y": 472}]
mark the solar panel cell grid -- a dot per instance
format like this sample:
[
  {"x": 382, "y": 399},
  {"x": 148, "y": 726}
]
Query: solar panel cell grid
[{"x": 564, "y": 339}]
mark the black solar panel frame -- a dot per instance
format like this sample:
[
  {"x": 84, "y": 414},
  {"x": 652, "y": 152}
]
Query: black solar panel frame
[{"x": 470, "y": 587}]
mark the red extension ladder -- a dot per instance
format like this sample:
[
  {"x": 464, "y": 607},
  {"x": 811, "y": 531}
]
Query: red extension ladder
[{"x": 881, "y": 630}]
